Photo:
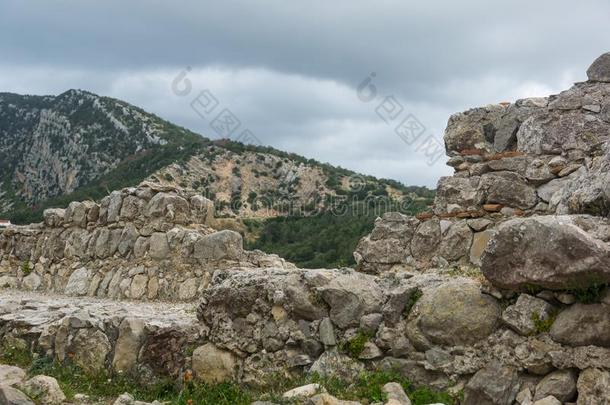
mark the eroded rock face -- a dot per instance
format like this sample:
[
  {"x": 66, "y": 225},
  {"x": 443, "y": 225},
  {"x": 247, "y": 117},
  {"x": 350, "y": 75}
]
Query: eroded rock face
[{"x": 551, "y": 252}]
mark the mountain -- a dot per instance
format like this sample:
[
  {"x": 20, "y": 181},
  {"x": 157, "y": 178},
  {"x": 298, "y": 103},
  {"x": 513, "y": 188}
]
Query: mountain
[
  {"x": 55, "y": 149},
  {"x": 51, "y": 146},
  {"x": 78, "y": 146}
]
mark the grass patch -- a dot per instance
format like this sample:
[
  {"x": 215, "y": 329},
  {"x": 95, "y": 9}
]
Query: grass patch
[
  {"x": 73, "y": 380},
  {"x": 354, "y": 346},
  {"x": 16, "y": 355},
  {"x": 26, "y": 269},
  {"x": 367, "y": 388}
]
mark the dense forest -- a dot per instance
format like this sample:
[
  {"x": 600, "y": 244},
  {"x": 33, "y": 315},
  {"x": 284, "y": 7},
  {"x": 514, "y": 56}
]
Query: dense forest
[{"x": 324, "y": 240}]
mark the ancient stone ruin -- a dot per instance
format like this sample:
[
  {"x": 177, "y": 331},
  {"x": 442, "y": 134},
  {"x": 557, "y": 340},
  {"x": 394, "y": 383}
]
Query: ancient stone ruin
[
  {"x": 501, "y": 290},
  {"x": 143, "y": 243}
]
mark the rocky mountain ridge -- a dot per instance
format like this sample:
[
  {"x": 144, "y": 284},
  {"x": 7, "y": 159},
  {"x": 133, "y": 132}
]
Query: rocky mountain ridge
[
  {"x": 53, "y": 145},
  {"x": 78, "y": 145}
]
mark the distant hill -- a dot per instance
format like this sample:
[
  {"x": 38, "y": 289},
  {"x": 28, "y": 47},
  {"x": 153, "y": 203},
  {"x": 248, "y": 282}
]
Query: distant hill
[{"x": 78, "y": 145}]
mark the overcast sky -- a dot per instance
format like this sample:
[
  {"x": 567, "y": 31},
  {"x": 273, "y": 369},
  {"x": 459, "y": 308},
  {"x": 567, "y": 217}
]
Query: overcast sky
[{"x": 290, "y": 70}]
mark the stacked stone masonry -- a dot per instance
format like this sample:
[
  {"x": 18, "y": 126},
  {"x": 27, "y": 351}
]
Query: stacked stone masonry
[{"x": 143, "y": 243}]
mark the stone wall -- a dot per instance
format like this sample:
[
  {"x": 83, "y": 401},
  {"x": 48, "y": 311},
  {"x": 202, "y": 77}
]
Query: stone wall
[
  {"x": 145, "y": 243},
  {"x": 537, "y": 156},
  {"x": 443, "y": 331},
  {"x": 525, "y": 213}
]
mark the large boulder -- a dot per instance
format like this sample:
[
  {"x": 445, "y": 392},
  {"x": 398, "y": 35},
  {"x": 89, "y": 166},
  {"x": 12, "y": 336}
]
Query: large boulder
[
  {"x": 394, "y": 225},
  {"x": 386, "y": 251},
  {"x": 223, "y": 245},
  {"x": 426, "y": 239},
  {"x": 593, "y": 387},
  {"x": 12, "y": 396},
  {"x": 158, "y": 246},
  {"x": 520, "y": 316},
  {"x": 128, "y": 344},
  {"x": 587, "y": 191},
  {"x": 350, "y": 297},
  {"x": 561, "y": 384},
  {"x": 554, "y": 133},
  {"x": 455, "y": 313},
  {"x": 599, "y": 71},
  {"x": 45, "y": 389},
  {"x": 213, "y": 365},
  {"x": 458, "y": 194},
  {"x": 509, "y": 189},
  {"x": 54, "y": 217},
  {"x": 78, "y": 283},
  {"x": 334, "y": 364},
  {"x": 11, "y": 375},
  {"x": 472, "y": 129},
  {"x": 551, "y": 252},
  {"x": 492, "y": 385},
  {"x": 169, "y": 207},
  {"x": 583, "y": 325},
  {"x": 89, "y": 350},
  {"x": 456, "y": 241},
  {"x": 76, "y": 214}
]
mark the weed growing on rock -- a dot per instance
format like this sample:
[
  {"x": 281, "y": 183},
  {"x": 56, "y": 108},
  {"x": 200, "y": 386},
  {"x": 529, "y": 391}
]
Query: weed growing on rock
[
  {"x": 354, "y": 346},
  {"x": 543, "y": 325},
  {"x": 412, "y": 300},
  {"x": 590, "y": 295},
  {"x": 26, "y": 268},
  {"x": 532, "y": 289}
]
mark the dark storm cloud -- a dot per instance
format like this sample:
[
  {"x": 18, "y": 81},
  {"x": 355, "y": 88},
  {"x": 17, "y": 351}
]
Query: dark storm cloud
[{"x": 289, "y": 69}]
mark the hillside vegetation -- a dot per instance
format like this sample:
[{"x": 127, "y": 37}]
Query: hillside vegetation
[{"x": 78, "y": 146}]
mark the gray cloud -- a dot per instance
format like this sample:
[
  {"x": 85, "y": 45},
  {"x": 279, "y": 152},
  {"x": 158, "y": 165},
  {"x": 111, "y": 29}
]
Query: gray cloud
[{"x": 289, "y": 70}]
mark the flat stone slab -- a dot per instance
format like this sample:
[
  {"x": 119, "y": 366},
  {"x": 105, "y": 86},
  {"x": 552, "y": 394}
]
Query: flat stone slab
[{"x": 32, "y": 309}]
